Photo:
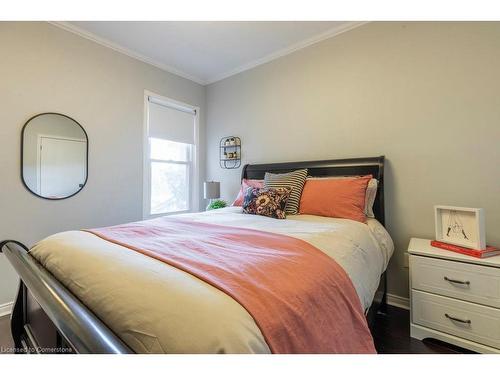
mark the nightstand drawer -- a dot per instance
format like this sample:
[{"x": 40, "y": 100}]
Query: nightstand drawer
[
  {"x": 462, "y": 319},
  {"x": 469, "y": 282}
]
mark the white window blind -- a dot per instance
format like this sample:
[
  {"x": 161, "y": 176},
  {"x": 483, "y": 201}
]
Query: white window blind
[
  {"x": 171, "y": 123},
  {"x": 170, "y": 171}
]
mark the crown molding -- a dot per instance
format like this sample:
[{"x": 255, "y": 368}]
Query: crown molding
[
  {"x": 288, "y": 50},
  {"x": 106, "y": 43},
  {"x": 250, "y": 65}
]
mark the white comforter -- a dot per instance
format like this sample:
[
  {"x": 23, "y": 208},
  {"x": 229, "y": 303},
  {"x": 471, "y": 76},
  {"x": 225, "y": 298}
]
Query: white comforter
[{"x": 156, "y": 308}]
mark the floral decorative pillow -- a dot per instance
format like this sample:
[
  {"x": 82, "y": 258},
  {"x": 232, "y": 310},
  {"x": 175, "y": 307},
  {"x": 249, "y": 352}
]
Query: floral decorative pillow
[{"x": 270, "y": 202}]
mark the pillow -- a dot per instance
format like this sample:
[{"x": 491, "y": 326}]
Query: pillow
[
  {"x": 294, "y": 180},
  {"x": 266, "y": 202},
  {"x": 245, "y": 184},
  {"x": 343, "y": 198},
  {"x": 371, "y": 192}
]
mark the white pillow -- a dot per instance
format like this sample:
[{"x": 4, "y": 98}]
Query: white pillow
[{"x": 371, "y": 191}]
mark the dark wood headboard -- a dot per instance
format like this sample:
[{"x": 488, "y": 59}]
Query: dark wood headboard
[{"x": 324, "y": 168}]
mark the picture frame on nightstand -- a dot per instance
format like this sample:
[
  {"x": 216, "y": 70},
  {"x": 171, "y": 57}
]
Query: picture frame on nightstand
[{"x": 462, "y": 226}]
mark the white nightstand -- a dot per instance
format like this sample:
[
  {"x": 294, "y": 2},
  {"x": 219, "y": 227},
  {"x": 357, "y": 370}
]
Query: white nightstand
[{"x": 454, "y": 297}]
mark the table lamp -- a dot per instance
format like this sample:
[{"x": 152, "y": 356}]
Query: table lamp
[{"x": 211, "y": 190}]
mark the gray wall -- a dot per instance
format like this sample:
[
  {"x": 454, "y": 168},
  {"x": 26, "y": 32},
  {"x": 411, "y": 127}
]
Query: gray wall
[
  {"x": 423, "y": 94},
  {"x": 46, "y": 69}
]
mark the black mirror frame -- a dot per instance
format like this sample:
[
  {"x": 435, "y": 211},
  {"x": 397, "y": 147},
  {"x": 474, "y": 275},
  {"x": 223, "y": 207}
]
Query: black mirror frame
[{"x": 86, "y": 156}]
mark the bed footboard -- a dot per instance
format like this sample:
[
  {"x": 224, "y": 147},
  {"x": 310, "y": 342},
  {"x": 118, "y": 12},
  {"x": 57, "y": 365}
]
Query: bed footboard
[{"x": 49, "y": 318}]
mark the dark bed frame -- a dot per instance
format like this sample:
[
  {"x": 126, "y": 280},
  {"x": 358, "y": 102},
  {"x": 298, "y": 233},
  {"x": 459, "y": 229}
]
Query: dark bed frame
[{"x": 48, "y": 318}]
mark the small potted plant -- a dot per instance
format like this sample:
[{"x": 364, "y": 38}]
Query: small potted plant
[{"x": 217, "y": 203}]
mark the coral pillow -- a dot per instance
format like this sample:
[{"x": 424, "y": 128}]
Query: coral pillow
[
  {"x": 341, "y": 198},
  {"x": 371, "y": 191},
  {"x": 245, "y": 184}
]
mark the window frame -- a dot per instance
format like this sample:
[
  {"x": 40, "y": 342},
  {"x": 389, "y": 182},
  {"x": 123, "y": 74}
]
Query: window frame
[{"x": 193, "y": 165}]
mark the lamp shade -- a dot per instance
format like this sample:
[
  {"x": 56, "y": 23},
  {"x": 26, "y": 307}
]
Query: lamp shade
[{"x": 211, "y": 189}]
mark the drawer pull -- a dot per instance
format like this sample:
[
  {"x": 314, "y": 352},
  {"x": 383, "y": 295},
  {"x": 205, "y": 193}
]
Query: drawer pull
[
  {"x": 457, "y": 281},
  {"x": 468, "y": 321}
]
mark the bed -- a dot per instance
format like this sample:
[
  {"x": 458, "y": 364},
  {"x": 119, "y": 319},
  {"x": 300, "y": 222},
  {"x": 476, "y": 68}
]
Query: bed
[{"x": 73, "y": 295}]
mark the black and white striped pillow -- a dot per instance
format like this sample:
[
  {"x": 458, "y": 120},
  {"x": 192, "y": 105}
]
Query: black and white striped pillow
[{"x": 294, "y": 180}]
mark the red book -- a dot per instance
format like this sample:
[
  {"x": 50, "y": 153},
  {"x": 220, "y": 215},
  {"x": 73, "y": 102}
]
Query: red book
[{"x": 488, "y": 252}]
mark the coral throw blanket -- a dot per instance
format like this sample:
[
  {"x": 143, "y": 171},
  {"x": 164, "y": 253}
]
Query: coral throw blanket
[{"x": 300, "y": 298}]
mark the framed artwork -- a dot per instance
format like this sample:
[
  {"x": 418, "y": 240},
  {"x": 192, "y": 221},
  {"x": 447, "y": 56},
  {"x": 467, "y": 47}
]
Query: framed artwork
[{"x": 460, "y": 226}]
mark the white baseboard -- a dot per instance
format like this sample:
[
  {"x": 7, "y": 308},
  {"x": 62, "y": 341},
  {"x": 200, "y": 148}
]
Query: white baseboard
[
  {"x": 398, "y": 301},
  {"x": 6, "y": 308}
]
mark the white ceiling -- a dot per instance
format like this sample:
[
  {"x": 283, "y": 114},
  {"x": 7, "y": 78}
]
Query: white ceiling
[{"x": 206, "y": 52}]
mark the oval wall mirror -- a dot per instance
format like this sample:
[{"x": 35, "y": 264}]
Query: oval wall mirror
[{"x": 54, "y": 156}]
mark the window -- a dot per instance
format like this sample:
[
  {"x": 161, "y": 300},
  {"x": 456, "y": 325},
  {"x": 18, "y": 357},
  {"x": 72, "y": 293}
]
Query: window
[
  {"x": 170, "y": 175},
  {"x": 170, "y": 164}
]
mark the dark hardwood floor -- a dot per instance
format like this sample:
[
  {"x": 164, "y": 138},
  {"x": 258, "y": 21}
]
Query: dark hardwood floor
[{"x": 391, "y": 334}]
